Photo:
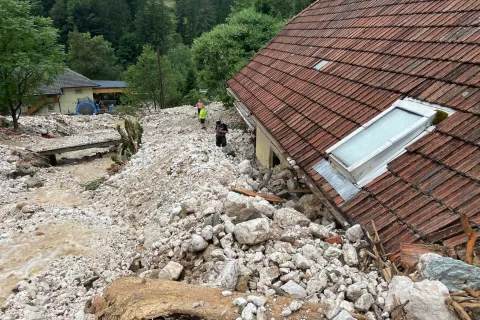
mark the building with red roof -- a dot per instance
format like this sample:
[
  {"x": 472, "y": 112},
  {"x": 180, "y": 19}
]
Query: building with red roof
[{"x": 378, "y": 104}]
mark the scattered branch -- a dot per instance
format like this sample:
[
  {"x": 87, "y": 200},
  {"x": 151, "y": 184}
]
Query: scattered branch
[
  {"x": 472, "y": 238},
  {"x": 462, "y": 314}
]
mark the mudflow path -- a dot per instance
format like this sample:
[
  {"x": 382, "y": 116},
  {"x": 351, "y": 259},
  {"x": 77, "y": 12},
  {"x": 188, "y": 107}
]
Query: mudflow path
[{"x": 60, "y": 245}]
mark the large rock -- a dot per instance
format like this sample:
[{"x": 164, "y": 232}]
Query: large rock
[
  {"x": 239, "y": 208},
  {"x": 354, "y": 233},
  {"x": 293, "y": 289},
  {"x": 252, "y": 231},
  {"x": 244, "y": 167},
  {"x": 172, "y": 271},
  {"x": 229, "y": 276},
  {"x": 291, "y": 217},
  {"x": 455, "y": 274},
  {"x": 426, "y": 299}
]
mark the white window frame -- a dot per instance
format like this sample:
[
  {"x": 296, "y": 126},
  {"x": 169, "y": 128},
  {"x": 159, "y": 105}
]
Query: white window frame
[{"x": 374, "y": 164}]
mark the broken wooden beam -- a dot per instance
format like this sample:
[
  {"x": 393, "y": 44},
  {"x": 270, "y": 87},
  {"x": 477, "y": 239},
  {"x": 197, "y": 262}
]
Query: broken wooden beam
[
  {"x": 268, "y": 197},
  {"x": 134, "y": 298}
]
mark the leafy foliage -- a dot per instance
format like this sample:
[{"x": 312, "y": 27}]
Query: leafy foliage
[
  {"x": 29, "y": 55},
  {"x": 179, "y": 78},
  {"x": 142, "y": 79},
  {"x": 131, "y": 140},
  {"x": 276, "y": 8},
  {"x": 197, "y": 16},
  {"x": 95, "y": 184},
  {"x": 93, "y": 57},
  {"x": 223, "y": 51}
]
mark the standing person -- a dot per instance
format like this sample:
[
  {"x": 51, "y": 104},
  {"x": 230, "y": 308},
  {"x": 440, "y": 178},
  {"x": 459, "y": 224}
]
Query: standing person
[
  {"x": 199, "y": 105},
  {"x": 221, "y": 131},
  {"x": 202, "y": 116}
]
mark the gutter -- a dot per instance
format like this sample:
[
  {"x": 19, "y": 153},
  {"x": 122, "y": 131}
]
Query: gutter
[{"x": 247, "y": 115}]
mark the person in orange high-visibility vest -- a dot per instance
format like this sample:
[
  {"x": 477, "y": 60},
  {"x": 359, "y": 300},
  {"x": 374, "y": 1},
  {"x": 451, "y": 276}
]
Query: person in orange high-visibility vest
[{"x": 203, "y": 117}]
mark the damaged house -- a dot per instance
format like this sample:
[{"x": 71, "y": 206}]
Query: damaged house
[{"x": 378, "y": 104}]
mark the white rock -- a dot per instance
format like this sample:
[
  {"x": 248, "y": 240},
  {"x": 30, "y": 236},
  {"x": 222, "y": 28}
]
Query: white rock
[
  {"x": 364, "y": 302},
  {"x": 257, "y": 300},
  {"x": 197, "y": 243},
  {"x": 240, "y": 302},
  {"x": 332, "y": 253},
  {"x": 354, "y": 291},
  {"x": 207, "y": 233},
  {"x": 226, "y": 293},
  {"x": 294, "y": 290},
  {"x": 244, "y": 167},
  {"x": 350, "y": 255},
  {"x": 317, "y": 283},
  {"x": 249, "y": 311},
  {"x": 252, "y": 231},
  {"x": 229, "y": 276},
  {"x": 286, "y": 312},
  {"x": 172, "y": 271},
  {"x": 295, "y": 305},
  {"x": 425, "y": 298},
  {"x": 290, "y": 217},
  {"x": 301, "y": 262},
  {"x": 344, "y": 315},
  {"x": 319, "y": 231},
  {"x": 264, "y": 207},
  {"x": 354, "y": 233}
]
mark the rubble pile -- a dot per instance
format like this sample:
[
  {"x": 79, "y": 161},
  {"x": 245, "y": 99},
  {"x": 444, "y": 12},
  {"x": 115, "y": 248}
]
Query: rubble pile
[
  {"x": 170, "y": 214},
  {"x": 57, "y": 125}
]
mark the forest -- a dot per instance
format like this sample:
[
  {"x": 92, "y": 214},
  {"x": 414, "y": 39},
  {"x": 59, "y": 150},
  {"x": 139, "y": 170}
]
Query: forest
[{"x": 165, "y": 50}]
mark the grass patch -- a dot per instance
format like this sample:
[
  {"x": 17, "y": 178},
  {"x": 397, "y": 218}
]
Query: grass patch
[{"x": 94, "y": 184}]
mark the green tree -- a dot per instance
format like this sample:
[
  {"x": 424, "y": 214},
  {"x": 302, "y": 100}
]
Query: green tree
[
  {"x": 223, "y": 51},
  {"x": 155, "y": 27},
  {"x": 29, "y": 55},
  {"x": 115, "y": 18},
  {"x": 59, "y": 15},
  {"x": 195, "y": 17},
  {"x": 276, "y": 8},
  {"x": 83, "y": 16},
  {"x": 92, "y": 56},
  {"x": 142, "y": 80}
]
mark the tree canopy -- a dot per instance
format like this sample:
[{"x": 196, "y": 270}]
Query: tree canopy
[
  {"x": 29, "y": 55},
  {"x": 93, "y": 57},
  {"x": 227, "y": 48}
]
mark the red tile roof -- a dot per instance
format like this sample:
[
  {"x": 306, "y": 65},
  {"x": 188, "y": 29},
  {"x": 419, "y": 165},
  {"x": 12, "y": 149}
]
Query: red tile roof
[{"x": 379, "y": 51}]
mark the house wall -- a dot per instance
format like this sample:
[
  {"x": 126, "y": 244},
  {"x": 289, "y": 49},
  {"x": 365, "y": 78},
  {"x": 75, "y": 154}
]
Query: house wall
[
  {"x": 264, "y": 149},
  {"x": 68, "y": 101}
]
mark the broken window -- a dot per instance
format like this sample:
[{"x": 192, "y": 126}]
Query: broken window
[
  {"x": 361, "y": 155},
  {"x": 275, "y": 159}
]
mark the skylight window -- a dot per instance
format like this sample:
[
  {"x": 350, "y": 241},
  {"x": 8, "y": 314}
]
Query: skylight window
[
  {"x": 320, "y": 65},
  {"x": 363, "y": 155}
]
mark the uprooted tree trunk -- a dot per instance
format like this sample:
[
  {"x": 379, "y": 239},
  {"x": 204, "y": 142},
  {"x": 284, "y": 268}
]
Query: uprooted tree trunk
[{"x": 133, "y": 298}]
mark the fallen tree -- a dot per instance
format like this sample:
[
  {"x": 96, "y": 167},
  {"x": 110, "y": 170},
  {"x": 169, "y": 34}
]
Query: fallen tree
[{"x": 134, "y": 298}]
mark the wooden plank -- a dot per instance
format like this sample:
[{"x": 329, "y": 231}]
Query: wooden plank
[
  {"x": 268, "y": 197},
  {"x": 102, "y": 144}
]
